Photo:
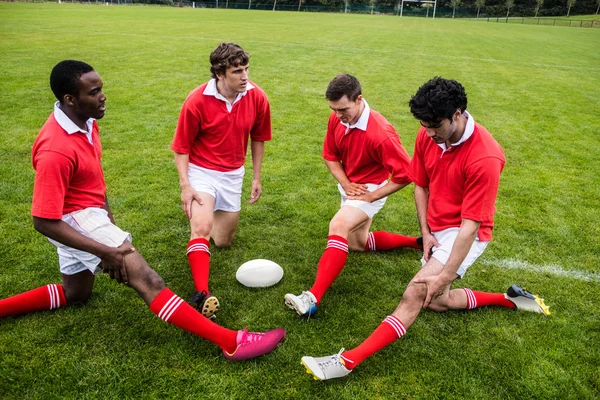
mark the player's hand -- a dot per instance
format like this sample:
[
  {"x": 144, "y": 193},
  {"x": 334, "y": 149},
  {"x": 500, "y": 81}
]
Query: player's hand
[
  {"x": 368, "y": 197},
  {"x": 437, "y": 286},
  {"x": 113, "y": 262},
  {"x": 355, "y": 189},
  {"x": 429, "y": 242},
  {"x": 256, "y": 191},
  {"x": 188, "y": 195}
]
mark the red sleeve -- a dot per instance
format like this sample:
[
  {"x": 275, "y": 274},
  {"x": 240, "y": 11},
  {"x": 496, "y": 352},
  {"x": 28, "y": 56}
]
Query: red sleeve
[
  {"x": 188, "y": 127},
  {"x": 330, "y": 150},
  {"x": 481, "y": 189},
  {"x": 395, "y": 159},
  {"x": 417, "y": 171},
  {"x": 261, "y": 130},
  {"x": 53, "y": 172}
]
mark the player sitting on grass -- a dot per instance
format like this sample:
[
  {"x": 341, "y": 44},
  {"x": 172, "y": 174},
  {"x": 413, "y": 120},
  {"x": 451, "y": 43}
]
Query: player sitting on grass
[
  {"x": 456, "y": 170},
  {"x": 216, "y": 121},
  {"x": 361, "y": 150},
  {"x": 70, "y": 208}
]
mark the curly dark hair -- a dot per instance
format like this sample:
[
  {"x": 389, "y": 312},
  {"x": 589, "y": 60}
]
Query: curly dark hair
[
  {"x": 343, "y": 85},
  {"x": 438, "y": 99},
  {"x": 225, "y": 56},
  {"x": 64, "y": 78}
]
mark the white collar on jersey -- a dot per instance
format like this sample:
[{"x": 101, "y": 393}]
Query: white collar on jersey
[
  {"x": 211, "y": 90},
  {"x": 469, "y": 128},
  {"x": 362, "y": 121},
  {"x": 69, "y": 126}
]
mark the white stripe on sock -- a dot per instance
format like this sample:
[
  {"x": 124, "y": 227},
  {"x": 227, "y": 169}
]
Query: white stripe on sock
[
  {"x": 372, "y": 242},
  {"x": 56, "y": 296},
  {"x": 471, "y": 300},
  {"x": 396, "y": 324},
  {"x": 198, "y": 247},
  {"x": 174, "y": 308},
  {"x": 167, "y": 307},
  {"x": 336, "y": 244},
  {"x": 51, "y": 296}
]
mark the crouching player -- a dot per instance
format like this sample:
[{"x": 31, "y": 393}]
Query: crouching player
[
  {"x": 456, "y": 170},
  {"x": 70, "y": 208},
  {"x": 362, "y": 151}
]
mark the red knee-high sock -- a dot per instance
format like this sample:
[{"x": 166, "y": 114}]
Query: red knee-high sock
[
  {"x": 43, "y": 298},
  {"x": 331, "y": 264},
  {"x": 382, "y": 241},
  {"x": 387, "y": 332},
  {"x": 199, "y": 258},
  {"x": 482, "y": 299},
  {"x": 171, "y": 308}
]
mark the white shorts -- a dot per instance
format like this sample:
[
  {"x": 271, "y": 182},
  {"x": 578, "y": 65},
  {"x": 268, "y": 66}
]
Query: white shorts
[
  {"x": 446, "y": 240},
  {"x": 95, "y": 224},
  {"x": 225, "y": 187},
  {"x": 368, "y": 208}
]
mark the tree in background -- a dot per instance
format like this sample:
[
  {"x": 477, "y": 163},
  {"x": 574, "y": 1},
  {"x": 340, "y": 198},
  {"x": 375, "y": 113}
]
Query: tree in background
[
  {"x": 538, "y": 5},
  {"x": 569, "y": 4},
  {"x": 509, "y": 5},
  {"x": 481, "y": 3},
  {"x": 455, "y": 3}
]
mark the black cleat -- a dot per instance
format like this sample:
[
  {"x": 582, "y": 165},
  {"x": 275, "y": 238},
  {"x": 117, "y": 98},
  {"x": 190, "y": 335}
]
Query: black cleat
[{"x": 207, "y": 304}]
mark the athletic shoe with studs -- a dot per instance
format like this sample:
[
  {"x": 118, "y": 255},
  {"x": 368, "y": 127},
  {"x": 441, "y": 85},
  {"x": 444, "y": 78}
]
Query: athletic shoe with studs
[
  {"x": 305, "y": 304},
  {"x": 207, "y": 304},
  {"x": 323, "y": 368},
  {"x": 255, "y": 344},
  {"x": 526, "y": 301}
]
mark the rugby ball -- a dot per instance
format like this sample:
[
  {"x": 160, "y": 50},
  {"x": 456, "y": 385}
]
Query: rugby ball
[{"x": 259, "y": 273}]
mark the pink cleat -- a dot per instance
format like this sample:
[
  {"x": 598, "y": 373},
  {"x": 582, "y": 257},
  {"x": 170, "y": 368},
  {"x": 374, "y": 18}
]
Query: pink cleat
[{"x": 255, "y": 344}]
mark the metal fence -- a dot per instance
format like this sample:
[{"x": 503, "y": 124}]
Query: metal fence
[{"x": 582, "y": 23}]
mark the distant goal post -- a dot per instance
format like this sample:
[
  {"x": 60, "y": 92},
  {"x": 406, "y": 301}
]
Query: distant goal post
[{"x": 434, "y": 2}]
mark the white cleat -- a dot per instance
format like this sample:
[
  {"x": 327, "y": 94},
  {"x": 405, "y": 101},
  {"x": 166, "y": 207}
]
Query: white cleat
[
  {"x": 324, "y": 368},
  {"x": 526, "y": 301},
  {"x": 305, "y": 304}
]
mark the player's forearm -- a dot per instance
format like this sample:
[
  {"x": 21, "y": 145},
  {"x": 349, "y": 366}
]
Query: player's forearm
[
  {"x": 336, "y": 169},
  {"x": 258, "y": 153},
  {"x": 421, "y": 201},
  {"x": 62, "y": 232},
  {"x": 182, "y": 162},
  {"x": 460, "y": 249},
  {"x": 387, "y": 189}
]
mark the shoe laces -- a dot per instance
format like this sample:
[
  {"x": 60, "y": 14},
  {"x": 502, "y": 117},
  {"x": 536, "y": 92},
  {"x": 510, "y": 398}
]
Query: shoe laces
[
  {"x": 334, "y": 360},
  {"x": 306, "y": 298},
  {"x": 251, "y": 337}
]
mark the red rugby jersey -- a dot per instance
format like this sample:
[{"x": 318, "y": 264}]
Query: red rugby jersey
[
  {"x": 69, "y": 174},
  {"x": 462, "y": 180},
  {"x": 215, "y": 138},
  {"x": 367, "y": 156}
]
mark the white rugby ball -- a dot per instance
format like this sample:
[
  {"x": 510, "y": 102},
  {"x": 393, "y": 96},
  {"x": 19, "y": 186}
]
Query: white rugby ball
[{"x": 259, "y": 273}]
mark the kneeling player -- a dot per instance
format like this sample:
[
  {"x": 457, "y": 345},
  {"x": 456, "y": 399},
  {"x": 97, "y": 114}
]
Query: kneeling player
[{"x": 361, "y": 150}]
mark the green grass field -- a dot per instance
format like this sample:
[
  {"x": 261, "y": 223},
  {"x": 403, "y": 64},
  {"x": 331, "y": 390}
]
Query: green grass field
[{"x": 536, "y": 88}]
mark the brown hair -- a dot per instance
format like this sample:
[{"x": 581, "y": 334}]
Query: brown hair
[
  {"x": 225, "y": 56},
  {"x": 343, "y": 85}
]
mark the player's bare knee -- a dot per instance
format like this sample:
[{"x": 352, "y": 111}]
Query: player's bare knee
[
  {"x": 338, "y": 227},
  {"x": 77, "y": 295},
  {"x": 201, "y": 229},
  {"x": 223, "y": 242},
  {"x": 415, "y": 293},
  {"x": 154, "y": 281}
]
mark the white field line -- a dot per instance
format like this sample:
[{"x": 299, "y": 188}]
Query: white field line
[{"x": 547, "y": 269}]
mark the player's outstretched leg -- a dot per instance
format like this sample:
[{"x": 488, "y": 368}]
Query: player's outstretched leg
[
  {"x": 515, "y": 297},
  {"x": 342, "y": 363},
  {"x": 236, "y": 345},
  {"x": 331, "y": 264},
  {"x": 43, "y": 298},
  {"x": 384, "y": 241}
]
